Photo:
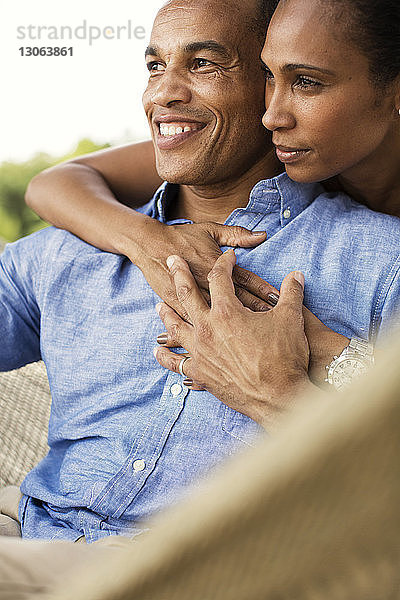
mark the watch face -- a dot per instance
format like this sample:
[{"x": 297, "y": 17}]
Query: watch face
[{"x": 346, "y": 371}]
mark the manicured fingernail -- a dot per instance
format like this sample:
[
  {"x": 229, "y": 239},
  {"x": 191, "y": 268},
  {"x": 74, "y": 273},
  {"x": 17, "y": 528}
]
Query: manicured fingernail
[
  {"x": 264, "y": 308},
  {"x": 258, "y": 232},
  {"x": 170, "y": 262},
  {"x": 162, "y": 339},
  {"x": 299, "y": 276},
  {"x": 188, "y": 382},
  {"x": 273, "y": 299},
  {"x": 158, "y": 307}
]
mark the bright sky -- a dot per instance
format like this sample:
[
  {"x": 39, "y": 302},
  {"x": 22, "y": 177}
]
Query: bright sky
[{"x": 49, "y": 103}]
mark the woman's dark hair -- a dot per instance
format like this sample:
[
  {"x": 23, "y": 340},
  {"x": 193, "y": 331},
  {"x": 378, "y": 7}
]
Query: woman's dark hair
[{"x": 374, "y": 27}]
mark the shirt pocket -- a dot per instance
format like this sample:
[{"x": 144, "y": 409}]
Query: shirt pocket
[{"x": 241, "y": 427}]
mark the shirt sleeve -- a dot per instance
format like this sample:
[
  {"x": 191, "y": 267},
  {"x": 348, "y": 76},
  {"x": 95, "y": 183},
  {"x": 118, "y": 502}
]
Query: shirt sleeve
[
  {"x": 20, "y": 278},
  {"x": 388, "y": 322}
]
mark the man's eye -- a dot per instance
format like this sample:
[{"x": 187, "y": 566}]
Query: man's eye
[
  {"x": 155, "y": 67},
  {"x": 200, "y": 63},
  {"x": 304, "y": 82}
]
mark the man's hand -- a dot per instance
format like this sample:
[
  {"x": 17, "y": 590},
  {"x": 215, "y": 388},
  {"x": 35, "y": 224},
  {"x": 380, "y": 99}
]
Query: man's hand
[{"x": 256, "y": 363}]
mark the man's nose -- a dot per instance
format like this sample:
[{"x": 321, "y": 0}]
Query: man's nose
[
  {"x": 171, "y": 88},
  {"x": 278, "y": 112}
]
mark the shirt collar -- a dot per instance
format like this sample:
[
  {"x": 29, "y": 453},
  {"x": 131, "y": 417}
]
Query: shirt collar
[
  {"x": 164, "y": 196},
  {"x": 283, "y": 194},
  {"x": 269, "y": 195}
]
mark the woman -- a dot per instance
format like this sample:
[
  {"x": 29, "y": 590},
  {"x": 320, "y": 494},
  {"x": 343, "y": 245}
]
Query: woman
[{"x": 334, "y": 117}]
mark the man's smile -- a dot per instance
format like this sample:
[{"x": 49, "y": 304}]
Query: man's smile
[{"x": 172, "y": 131}]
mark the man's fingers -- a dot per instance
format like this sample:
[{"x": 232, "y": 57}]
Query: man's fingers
[
  {"x": 178, "y": 331},
  {"x": 187, "y": 291},
  {"x": 235, "y": 236},
  {"x": 292, "y": 292},
  {"x": 255, "y": 285}
]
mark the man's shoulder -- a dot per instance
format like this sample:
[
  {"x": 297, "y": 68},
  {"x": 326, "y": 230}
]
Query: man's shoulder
[
  {"x": 46, "y": 238},
  {"x": 346, "y": 214},
  {"x": 48, "y": 246},
  {"x": 351, "y": 210}
]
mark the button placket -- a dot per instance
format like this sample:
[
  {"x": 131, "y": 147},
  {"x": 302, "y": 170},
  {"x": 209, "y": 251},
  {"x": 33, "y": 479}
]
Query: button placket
[
  {"x": 175, "y": 389},
  {"x": 287, "y": 213},
  {"x": 123, "y": 489},
  {"x": 139, "y": 465}
]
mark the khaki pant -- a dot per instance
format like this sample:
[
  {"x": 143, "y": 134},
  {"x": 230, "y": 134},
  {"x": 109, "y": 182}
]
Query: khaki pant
[
  {"x": 10, "y": 497},
  {"x": 29, "y": 568}
]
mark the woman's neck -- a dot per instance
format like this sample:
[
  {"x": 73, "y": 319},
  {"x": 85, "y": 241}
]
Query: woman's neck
[{"x": 376, "y": 182}]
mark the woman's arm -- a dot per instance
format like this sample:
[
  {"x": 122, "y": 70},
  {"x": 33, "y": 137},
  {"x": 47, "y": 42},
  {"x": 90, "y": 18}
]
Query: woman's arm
[
  {"x": 324, "y": 343},
  {"x": 93, "y": 197},
  {"x": 256, "y": 363}
]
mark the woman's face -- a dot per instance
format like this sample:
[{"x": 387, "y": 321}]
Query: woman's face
[{"x": 326, "y": 116}]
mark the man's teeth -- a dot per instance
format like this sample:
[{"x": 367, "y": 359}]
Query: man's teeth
[{"x": 169, "y": 130}]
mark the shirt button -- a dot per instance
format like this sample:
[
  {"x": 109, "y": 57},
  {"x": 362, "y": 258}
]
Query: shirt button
[
  {"x": 286, "y": 213},
  {"x": 139, "y": 465},
  {"x": 176, "y": 389}
]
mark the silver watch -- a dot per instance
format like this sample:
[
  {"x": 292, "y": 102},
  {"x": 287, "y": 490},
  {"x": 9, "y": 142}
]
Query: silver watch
[{"x": 354, "y": 361}]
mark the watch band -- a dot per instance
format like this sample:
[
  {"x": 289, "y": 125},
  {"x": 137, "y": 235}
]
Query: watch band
[
  {"x": 359, "y": 350},
  {"x": 361, "y": 347}
]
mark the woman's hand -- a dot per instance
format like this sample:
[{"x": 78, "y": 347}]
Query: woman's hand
[
  {"x": 199, "y": 244},
  {"x": 256, "y": 363}
]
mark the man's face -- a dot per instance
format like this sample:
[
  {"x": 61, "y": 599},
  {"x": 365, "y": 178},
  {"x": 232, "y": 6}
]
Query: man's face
[{"x": 205, "y": 96}]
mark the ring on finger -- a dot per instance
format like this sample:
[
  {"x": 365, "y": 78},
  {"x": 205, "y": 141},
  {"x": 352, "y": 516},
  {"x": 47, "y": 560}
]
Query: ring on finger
[{"x": 182, "y": 362}]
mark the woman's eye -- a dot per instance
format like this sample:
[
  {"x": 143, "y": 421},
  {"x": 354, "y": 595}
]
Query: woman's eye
[
  {"x": 267, "y": 73},
  {"x": 155, "y": 67},
  {"x": 306, "y": 82}
]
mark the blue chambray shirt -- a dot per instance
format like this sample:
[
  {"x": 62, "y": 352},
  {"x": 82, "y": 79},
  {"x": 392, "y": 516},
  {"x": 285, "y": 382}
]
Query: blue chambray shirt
[{"x": 126, "y": 437}]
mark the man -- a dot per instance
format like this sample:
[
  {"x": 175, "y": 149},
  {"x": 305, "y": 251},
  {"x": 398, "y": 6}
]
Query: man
[{"x": 126, "y": 438}]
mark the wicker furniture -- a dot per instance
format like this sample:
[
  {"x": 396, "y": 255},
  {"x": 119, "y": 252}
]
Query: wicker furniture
[{"x": 24, "y": 415}]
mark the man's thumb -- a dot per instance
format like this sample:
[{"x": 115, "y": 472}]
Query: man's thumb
[{"x": 233, "y": 235}]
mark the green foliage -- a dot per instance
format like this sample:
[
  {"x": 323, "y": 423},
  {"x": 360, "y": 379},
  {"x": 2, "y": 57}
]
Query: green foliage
[{"x": 16, "y": 219}]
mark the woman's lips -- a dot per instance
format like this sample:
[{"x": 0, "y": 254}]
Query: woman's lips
[{"x": 289, "y": 155}]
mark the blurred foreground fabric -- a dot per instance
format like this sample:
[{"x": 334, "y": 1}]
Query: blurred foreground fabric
[{"x": 313, "y": 514}]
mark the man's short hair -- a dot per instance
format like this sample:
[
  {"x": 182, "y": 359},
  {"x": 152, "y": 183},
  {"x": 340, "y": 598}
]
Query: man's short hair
[
  {"x": 260, "y": 21},
  {"x": 264, "y": 12}
]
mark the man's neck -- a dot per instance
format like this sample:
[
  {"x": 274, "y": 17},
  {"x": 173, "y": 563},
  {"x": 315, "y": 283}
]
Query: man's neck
[{"x": 216, "y": 202}]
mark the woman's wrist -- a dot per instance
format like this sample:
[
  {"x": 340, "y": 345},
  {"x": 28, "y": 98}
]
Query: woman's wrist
[
  {"x": 297, "y": 393},
  {"x": 133, "y": 239},
  {"x": 275, "y": 401},
  {"x": 323, "y": 353}
]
